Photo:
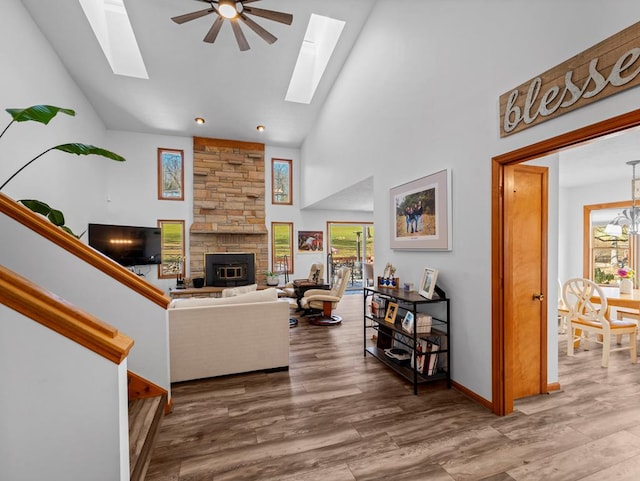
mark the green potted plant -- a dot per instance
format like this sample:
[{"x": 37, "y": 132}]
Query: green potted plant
[
  {"x": 43, "y": 114},
  {"x": 272, "y": 278}
]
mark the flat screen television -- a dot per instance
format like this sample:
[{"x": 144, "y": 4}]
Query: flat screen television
[{"x": 127, "y": 245}]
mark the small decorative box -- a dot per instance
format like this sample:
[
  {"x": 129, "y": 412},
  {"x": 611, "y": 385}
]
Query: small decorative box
[{"x": 424, "y": 323}]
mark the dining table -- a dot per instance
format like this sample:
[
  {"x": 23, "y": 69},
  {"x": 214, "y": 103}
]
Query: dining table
[{"x": 615, "y": 299}]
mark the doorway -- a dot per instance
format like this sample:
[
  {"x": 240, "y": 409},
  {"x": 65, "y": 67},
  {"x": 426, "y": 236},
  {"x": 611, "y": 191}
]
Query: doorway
[
  {"x": 350, "y": 244},
  {"x": 502, "y": 343}
]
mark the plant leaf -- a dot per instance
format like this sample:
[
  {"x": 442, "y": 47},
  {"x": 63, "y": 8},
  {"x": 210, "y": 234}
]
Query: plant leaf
[
  {"x": 56, "y": 217},
  {"x": 86, "y": 149},
  {"x": 38, "y": 113},
  {"x": 36, "y": 206},
  {"x": 69, "y": 231}
]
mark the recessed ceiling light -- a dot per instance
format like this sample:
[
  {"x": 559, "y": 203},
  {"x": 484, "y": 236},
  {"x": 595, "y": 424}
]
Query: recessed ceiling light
[
  {"x": 199, "y": 120},
  {"x": 260, "y": 128}
]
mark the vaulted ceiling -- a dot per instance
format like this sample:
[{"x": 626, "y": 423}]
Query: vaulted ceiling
[{"x": 234, "y": 91}]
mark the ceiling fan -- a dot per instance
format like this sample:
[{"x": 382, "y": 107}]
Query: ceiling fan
[{"x": 235, "y": 12}]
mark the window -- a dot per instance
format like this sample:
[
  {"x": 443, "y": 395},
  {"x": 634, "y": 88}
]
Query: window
[
  {"x": 170, "y": 174},
  {"x": 281, "y": 182},
  {"x": 605, "y": 253},
  {"x": 282, "y": 247},
  {"x": 171, "y": 249}
]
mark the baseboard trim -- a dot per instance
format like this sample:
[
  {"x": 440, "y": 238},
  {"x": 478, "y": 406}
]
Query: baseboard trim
[
  {"x": 553, "y": 386},
  {"x": 479, "y": 399}
]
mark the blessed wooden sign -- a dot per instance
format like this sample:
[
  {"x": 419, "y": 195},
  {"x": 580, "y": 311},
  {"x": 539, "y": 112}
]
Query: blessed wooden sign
[{"x": 607, "y": 68}]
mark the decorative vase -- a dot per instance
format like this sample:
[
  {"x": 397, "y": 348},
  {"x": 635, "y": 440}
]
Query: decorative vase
[
  {"x": 273, "y": 280},
  {"x": 626, "y": 286}
]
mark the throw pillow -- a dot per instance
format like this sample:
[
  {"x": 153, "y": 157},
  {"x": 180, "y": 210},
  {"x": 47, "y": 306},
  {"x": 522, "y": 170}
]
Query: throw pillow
[{"x": 236, "y": 291}]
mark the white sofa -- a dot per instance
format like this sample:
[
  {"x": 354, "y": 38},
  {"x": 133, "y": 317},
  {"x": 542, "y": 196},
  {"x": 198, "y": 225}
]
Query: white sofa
[{"x": 216, "y": 336}]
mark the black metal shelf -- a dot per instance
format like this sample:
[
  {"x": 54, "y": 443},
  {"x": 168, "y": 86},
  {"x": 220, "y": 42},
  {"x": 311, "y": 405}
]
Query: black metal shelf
[{"x": 394, "y": 333}]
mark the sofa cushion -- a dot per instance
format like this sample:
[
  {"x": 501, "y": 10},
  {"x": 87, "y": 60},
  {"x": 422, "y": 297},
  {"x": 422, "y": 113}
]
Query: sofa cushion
[
  {"x": 266, "y": 295},
  {"x": 236, "y": 291}
]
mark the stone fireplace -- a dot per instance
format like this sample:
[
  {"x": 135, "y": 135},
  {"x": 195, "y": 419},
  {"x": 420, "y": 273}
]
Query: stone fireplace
[{"x": 228, "y": 202}]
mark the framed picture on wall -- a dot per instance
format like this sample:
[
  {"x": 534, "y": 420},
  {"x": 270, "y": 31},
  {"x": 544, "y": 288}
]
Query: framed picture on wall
[
  {"x": 281, "y": 181},
  {"x": 310, "y": 241},
  {"x": 170, "y": 174},
  {"x": 421, "y": 213}
]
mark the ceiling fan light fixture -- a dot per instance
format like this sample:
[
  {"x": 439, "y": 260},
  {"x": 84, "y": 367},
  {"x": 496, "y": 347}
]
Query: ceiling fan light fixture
[{"x": 227, "y": 8}]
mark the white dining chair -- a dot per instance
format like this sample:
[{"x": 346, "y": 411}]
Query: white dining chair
[{"x": 588, "y": 315}]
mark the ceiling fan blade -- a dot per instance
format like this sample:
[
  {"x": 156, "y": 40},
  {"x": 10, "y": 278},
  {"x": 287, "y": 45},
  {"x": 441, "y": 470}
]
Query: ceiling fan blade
[
  {"x": 211, "y": 35},
  {"x": 250, "y": 1},
  {"x": 266, "y": 36},
  {"x": 270, "y": 15},
  {"x": 192, "y": 16},
  {"x": 240, "y": 38}
]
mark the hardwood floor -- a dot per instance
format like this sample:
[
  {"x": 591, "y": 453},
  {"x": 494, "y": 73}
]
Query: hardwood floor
[{"x": 339, "y": 416}]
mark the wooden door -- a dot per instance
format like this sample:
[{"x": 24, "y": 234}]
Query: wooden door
[{"x": 525, "y": 195}]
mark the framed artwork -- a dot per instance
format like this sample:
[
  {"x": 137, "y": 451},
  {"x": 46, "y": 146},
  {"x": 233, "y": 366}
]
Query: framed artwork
[
  {"x": 421, "y": 213},
  {"x": 171, "y": 249},
  {"x": 282, "y": 247},
  {"x": 428, "y": 283},
  {"x": 407, "y": 322},
  {"x": 392, "y": 310},
  {"x": 170, "y": 174},
  {"x": 281, "y": 183},
  {"x": 310, "y": 241}
]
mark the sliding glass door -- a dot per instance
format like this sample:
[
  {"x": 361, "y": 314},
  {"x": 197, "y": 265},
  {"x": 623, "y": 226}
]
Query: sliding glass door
[{"x": 350, "y": 244}]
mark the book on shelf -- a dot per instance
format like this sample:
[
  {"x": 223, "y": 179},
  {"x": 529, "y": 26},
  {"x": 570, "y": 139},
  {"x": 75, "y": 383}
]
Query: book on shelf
[
  {"x": 433, "y": 358},
  {"x": 426, "y": 357}
]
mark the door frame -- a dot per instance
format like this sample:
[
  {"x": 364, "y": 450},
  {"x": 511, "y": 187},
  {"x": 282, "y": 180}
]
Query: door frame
[{"x": 502, "y": 398}]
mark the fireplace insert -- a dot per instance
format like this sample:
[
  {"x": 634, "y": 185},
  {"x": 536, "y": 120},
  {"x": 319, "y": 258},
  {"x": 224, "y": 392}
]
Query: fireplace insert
[{"x": 230, "y": 269}]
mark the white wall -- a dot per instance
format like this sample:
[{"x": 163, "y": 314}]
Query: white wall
[
  {"x": 63, "y": 408},
  {"x": 132, "y": 189},
  {"x": 418, "y": 94},
  {"x": 32, "y": 74},
  {"x": 84, "y": 286},
  {"x": 309, "y": 219},
  {"x": 573, "y": 200}
]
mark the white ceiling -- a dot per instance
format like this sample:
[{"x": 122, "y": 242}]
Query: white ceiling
[
  {"x": 602, "y": 160},
  {"x": 235, "y": 91}
]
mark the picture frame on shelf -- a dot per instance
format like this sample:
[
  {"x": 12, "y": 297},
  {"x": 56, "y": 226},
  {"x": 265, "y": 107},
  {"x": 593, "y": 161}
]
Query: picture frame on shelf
[
  {"x": 375, "y": 308},
  {"x": 392, "y": 311},
  {"x": 428, "y": 283},
  {"x": 407, "y": 321},
  {"x": 421, "y": 213}
]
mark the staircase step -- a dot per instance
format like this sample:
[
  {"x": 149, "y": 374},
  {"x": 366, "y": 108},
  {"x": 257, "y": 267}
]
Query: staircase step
[{"x": 145, "y": 416}]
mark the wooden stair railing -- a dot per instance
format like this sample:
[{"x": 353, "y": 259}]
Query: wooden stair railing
[
  {"x": 46, "y": 229},
  {"x": 51, "y": 311}
]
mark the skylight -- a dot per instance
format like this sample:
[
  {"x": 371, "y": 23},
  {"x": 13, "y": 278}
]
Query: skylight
[
  {"x": 110, "y": 23},
  {"x": 317, "y": 47}
]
